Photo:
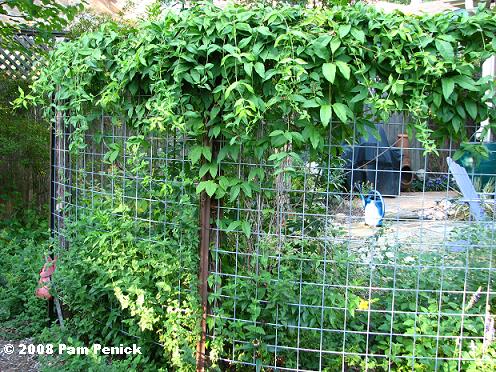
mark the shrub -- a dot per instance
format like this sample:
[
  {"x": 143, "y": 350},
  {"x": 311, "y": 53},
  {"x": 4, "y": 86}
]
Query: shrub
[
  {"x": 23, "y": 243},
  {"x": 24, "y": 152},
  {"x": 118, "y": 287}
]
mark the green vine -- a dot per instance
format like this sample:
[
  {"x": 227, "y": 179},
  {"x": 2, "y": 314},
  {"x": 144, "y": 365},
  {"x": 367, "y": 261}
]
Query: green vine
[
  {"x": 267, "y": 86},
  {"x": 297, "y": 72}
]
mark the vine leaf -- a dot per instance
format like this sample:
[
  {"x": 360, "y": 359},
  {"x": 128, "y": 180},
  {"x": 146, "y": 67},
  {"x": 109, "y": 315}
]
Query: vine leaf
[
  {"x": 320, "y": 46},
  {"x": 278, "y": 138},
  {"x": 113, "y": 154},
  {"x": 256, "y": 172},
  {"x": 311, "y": 133},
  {"x": 195, "y": 154},
  {"x": 358, "y": 34},
  {"x": 448, "y": 86},
  {"x": 344, "y": 30},
  {"x": 465, "y": 82},
  {"x": 363, "y": 93},
  {"x": 335, "y": 44},
  {"x": 209, "y": 186},
  {"x": 329, "y": 71},
  {"x": 224, "y": 182},
  {"x": 471, "y": 108},
  {"x": 233, "y": 226},
  {"x": 208, "y": 168},
  {"x": 246, "y": 186},
  {"x": 344, "y": 69},
  {"x": 207, "y": 153},
  {"x": 445, "y": 49},
  {"x": 248, "y": 67},
  {"x": 436, "y": 99},
  {"x": 325, "y": 114},
  {"x": 340, "y": 110},
  {"x": 230, "y": 88},
  {"x": 234, "y": 193},
  {"x": 260, "y": 69}
]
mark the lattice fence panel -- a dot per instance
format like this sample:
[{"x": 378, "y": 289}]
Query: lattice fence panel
[{"x": 20, "y": 61}]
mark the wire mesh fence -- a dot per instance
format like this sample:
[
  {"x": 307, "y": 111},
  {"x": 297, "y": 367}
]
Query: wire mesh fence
[{"x": 296, "y": 279}]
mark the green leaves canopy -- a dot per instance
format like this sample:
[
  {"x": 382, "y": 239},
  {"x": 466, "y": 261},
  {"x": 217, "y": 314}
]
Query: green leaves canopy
[
  {"x": 43, "y": 16},
  {"x": 224, "y": 73}
]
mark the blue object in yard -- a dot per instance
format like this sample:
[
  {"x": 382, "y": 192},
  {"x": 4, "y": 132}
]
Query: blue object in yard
[{"x": 374, "y": 208}]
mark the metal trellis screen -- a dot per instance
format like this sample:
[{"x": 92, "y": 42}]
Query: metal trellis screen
[{"x": 296, "y": 279}]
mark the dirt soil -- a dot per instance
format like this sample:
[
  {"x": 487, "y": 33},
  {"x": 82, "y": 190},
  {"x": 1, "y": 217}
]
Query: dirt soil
[
  {"x": 407, "y": 219},
  {"x": 15, "y": 361}
]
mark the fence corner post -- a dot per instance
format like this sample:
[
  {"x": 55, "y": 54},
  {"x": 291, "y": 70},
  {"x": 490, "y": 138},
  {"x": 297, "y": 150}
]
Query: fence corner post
[{"x": 205, "y": 202}]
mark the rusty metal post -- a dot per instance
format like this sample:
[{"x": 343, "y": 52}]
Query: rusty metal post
[
  {"x": 203, "y": 276},
  {"x": 51, "y": 311},
  {"x": 205, "y": 202}
]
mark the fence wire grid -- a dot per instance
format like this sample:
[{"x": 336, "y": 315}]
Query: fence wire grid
[{"x": 297, "y": 281}]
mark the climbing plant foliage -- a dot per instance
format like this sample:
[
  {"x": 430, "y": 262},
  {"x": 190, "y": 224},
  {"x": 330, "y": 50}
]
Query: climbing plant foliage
[
  {"x": 266, "y": 84},
  {"x": 300, "y": 73}
]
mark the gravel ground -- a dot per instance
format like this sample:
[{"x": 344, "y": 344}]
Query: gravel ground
[{"x": 15, "y": 361}]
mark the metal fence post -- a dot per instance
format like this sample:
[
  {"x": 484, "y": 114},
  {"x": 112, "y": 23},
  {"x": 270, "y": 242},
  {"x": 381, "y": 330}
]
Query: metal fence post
[{"x": 205, "y": 202}]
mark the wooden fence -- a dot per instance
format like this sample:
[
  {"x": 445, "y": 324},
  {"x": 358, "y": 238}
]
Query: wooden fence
[
  {"x": 24, "y": 176},
  {"x": 23, "y": 58}
]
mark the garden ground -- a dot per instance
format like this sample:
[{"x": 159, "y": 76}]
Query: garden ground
[{"x": 15, "y": 362}]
